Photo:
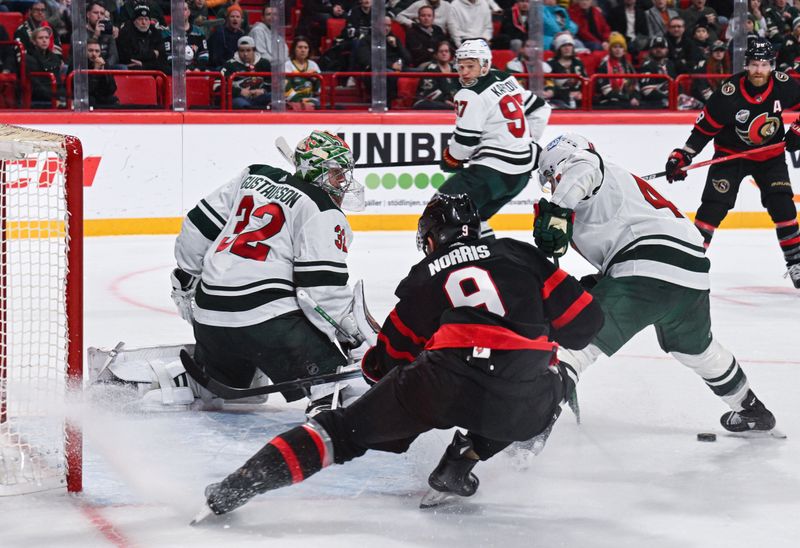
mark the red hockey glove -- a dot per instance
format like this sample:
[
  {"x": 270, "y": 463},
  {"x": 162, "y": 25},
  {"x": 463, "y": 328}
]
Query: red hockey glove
[
  {"x": 678, "y": 159},
  {"x": 448, "y": 163},
  {"x": 792, "y": 138}
]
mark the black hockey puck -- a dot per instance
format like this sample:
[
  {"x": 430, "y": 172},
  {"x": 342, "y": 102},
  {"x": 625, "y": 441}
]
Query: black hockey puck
[{"x": 706, "y": 436}]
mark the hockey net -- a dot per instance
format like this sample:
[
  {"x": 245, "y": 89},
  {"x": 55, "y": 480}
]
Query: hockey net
[{"x": 40, "y": 310}]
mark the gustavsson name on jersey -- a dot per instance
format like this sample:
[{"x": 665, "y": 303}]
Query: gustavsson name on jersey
[{"x": 256, "y": 240}]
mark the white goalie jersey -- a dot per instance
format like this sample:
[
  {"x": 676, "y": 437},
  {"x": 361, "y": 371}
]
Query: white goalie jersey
[
  {"x": 497, "y": 123},
  {"x": 257, "y": 240},
  {"x": 624, "y": 227}
]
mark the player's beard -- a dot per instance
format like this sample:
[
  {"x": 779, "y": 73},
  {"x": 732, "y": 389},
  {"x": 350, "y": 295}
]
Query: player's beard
[{"x": 758, "y": 79}]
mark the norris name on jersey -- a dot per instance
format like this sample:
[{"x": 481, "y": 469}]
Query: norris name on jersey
[{"x": 459, "y": 255}]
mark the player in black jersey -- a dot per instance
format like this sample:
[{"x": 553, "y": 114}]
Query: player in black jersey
[
  {"x": 471, "y": 343},
  {"x": 745, "y": 113}
]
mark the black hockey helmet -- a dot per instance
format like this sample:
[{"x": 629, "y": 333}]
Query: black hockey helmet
[
  {"x": 759, "y": 49},
  {"x": 448, "y": 218}
]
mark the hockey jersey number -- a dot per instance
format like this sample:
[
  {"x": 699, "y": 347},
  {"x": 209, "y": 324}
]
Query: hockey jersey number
[
  {"x": 511, "y": 107},
  {"x": 473, "y": 286},
  {"x": 250, "y": 244},
  {"x": 654, "y": 198}
]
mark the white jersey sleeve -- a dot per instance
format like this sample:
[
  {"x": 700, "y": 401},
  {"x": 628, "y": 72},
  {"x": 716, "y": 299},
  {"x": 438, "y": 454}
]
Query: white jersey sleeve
[
  {"x": 624, "y": 227},
  {"x": 537, "y": 113},
  {"x": 320, "y": 267},
  {"x": 579, "y": 176},
  {"x": 203, "y": 224}
]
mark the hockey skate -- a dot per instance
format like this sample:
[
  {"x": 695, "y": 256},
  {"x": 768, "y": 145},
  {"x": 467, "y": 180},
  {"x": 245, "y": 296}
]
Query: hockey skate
[
  {"x": 453, "y": 476},
  {"x": 793, "y": 273},
  {"x": 754, "y": 420}
]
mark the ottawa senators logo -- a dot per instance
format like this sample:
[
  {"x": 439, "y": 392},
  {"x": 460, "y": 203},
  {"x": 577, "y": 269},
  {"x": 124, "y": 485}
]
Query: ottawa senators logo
[
  {"x": 728, "y": 88},
  {"x": 721, "y": 185},
  {"x": 760, "y": 130}
]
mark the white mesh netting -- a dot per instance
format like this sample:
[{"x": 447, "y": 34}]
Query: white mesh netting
[{"x": 33, "y": 326}]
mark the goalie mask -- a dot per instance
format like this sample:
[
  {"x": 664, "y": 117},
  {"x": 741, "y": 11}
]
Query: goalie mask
[
  {"x": 324, "y": 159},
  {"x": 477, "y": 49},
  {"x": 448, "y": 218},
  {"x": 556, "y": 152}
]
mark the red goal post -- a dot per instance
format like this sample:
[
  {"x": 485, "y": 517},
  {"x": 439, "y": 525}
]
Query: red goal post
[{"x": 41, "y": 310}]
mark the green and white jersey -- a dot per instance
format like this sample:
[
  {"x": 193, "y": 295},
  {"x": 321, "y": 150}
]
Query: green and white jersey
[
  {"x": 259, "y": 238},
  {"x": 624, "y": 227},
  {"x": 497, "y": 123}
]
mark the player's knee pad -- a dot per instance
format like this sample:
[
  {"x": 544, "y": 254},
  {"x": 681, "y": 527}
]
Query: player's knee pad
[
  {"x": 720, "y": 371},
  {"x": 781, "y": 207},
  {"x": 579, "y": 360}
]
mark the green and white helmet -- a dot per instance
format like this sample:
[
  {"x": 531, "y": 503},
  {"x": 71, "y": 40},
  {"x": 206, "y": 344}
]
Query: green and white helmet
[{"x": 324, "y": 159}]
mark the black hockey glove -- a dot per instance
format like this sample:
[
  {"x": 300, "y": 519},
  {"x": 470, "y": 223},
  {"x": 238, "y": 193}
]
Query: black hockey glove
[
  {"x": 792, "y": 138},
  {"x": 448, "y": 163},
  {"x": 590, "y": 280},
  {"x": 552, "y": 228},
  {"x": 678, "y": 158}
]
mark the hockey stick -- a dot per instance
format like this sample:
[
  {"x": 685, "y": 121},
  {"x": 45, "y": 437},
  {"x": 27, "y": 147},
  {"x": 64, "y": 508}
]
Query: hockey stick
[
  {"x": 720, "y": 160},
  {"x": 231, "y": 393},
  {"x": 306, "y": 298}
]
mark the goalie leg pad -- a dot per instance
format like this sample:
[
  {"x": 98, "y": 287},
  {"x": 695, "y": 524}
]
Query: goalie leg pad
[{"x": 720, "y": 371}]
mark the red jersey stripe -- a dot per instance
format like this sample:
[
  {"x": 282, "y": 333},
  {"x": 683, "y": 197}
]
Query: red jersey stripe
[
  {"x": 319, "y": 443},
  {"x": 404, "y": 329},
  {"x": 291, "y": 459},
  {"x": 784, "y": 224},
  {"x": 574, "y": 309},
  {"x": 709, "y": 133},
  {"x": 551, "y": 283},
  {"x": 393, "y": 352},
  {"x": 710, "y": 120}
]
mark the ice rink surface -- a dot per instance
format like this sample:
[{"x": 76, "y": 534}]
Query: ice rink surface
[{"x": 631, "y": 475}]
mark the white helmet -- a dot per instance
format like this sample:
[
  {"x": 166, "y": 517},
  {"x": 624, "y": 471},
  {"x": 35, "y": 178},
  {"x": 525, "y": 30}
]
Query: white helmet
[
  {"x": 476, "y": 48},
  {"x": 556, "y": 151}
]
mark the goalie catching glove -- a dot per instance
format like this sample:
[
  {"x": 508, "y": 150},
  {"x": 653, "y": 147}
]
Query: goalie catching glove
[
  {"x": 552, "y": 228},
  {"x": 183, "y": 289}
]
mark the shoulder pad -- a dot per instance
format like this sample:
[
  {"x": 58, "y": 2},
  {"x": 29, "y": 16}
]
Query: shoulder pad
[
  {"x": 728, "y": 88},
  {"x": 781, "y": 76}
]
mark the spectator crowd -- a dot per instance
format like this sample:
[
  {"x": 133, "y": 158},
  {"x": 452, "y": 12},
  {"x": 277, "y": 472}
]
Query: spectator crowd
[{"x": 662, "y": 39}]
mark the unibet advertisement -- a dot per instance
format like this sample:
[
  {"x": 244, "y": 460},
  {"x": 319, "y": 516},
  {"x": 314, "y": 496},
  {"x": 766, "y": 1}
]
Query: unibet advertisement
[{"x": 159, "y": 171}]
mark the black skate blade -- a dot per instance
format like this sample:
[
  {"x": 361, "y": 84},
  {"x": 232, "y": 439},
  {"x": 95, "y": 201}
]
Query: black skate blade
[
  {"x": 201, "y": 515},
  {"x": 758, "y": 434},
  {"x": 434, "y": 499}
]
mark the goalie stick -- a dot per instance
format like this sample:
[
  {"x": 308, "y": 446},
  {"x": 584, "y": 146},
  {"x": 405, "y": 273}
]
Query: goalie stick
[{"x": 227, "y": 392}]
